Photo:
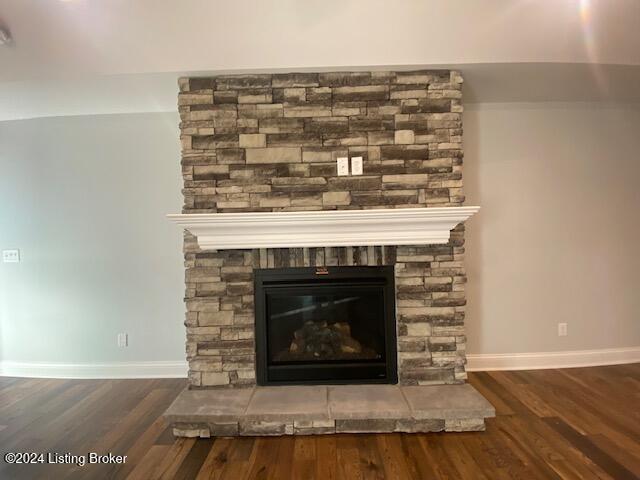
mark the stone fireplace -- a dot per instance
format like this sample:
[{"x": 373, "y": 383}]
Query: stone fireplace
[{"x": 261, "y": 150}]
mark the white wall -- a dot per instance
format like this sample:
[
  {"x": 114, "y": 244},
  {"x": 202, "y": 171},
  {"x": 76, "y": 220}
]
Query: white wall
[
  {"x": 84, "y": 199},
  {"x": 557, "y": 237},
  {"x": 114, "y": 37}
]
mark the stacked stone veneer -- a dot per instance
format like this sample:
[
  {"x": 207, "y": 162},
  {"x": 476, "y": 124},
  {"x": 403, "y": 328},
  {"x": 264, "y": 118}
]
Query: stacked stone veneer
[{"x": 269, "y": 143}]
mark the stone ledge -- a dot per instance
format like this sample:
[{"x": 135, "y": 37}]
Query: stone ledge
[
  {"x": 317, "y": 410},
  {"x": 359, "y": 425}
]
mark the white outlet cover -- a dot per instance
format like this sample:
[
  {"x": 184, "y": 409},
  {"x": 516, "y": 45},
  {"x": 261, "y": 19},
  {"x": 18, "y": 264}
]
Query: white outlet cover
[
  {"x": 11, "y": 256},
  {"x": 123, "y": 340},
  {"x": 343, "y": 166},
  {"x": 562, "y": 329},
  {"x": 356, "y": 166}
]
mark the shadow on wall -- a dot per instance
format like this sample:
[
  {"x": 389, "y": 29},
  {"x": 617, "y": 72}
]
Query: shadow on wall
[{"x": 473, "y": 239}]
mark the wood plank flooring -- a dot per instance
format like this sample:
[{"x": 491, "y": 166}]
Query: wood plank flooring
[{"x": 558, "y": 424}]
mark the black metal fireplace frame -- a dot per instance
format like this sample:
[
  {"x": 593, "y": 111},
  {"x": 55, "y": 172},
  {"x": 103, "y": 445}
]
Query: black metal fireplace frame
[{"x": 282, "y": 278}]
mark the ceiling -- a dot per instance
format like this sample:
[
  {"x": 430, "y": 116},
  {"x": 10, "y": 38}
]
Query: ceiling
[{"x": 73, "y": 57}]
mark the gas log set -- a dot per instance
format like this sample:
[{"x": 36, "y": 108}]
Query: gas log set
[{"x": 329, "y": 341}]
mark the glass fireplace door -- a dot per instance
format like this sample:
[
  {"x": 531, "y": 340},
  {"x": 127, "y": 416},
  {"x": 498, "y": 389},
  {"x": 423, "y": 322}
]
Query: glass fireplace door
[
  {"x": 334, "y": 329},
  {"x": 327, "y": 324}
]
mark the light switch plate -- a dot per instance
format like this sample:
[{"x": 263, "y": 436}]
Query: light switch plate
[
  {"x": 356, "y": 165},
  {"x": 11, "y": 256},
  {"x": 343, "y": 166}
]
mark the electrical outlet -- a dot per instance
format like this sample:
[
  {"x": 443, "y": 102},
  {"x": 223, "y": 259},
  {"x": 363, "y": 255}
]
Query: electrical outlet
[
  {"x": 123, "y": 340},
  {"x": 562, "y": 329},
  {"x": 356, "y": 166},
  {"x": 11, "y": 256},
  {"x": 343, "y": 166}
]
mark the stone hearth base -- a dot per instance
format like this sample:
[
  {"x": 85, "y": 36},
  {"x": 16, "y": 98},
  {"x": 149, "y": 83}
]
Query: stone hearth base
[{"x": 311, "y": 410}]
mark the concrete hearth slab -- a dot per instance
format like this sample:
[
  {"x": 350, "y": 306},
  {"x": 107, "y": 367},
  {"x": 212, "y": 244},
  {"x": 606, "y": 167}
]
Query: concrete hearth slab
[
  {"x": 225, "y": 405},
  {"x": 447, "y": 401},
  {"x": 288, "y": 403},
  {"x": 367, "y": 401},
  {"x": 306, "y": 410}
]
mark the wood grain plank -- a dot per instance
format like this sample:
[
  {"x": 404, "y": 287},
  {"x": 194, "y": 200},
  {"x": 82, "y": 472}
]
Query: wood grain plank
[
  {"x": 461, "y": 458},
  {"x": 371, "y": 461},
  {"x": 284, "y": 459},
  {"x": 417, "y": 463},
  {"x": 348, "y": 457},
  {"x": 171, "y": 462},
  {"x": 240, "y": 459},
  {"x": 572, "y": 423},
  {"x": 194, "y": 460},
  {"x": 395, "y": 465},
  {"x": 304, "y": 453},
  {"x": 591, "y": 450},
  {"x": 217, "y": 458},
  {"x": 146, "y": 467},
  {"x": 437, "y": 456},
  {"x": 326, "y": 457},
  {"x": 621, "y": 455}
]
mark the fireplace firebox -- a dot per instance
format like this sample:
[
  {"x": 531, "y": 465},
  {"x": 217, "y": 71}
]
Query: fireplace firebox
[{"x": 325, "y": 325}]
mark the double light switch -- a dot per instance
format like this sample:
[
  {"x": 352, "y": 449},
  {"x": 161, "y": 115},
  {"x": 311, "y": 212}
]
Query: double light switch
[{"x": 343, "y": 166}]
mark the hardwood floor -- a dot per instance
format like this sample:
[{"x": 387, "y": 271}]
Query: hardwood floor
[{"x": 559, "y": 424}]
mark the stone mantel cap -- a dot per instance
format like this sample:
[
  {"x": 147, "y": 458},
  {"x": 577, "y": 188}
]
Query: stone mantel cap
[{"x": 323, "y": 228}]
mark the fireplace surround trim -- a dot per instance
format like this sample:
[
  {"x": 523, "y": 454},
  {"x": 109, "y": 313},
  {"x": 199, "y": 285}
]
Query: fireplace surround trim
[{"x": 325, "y": 228}]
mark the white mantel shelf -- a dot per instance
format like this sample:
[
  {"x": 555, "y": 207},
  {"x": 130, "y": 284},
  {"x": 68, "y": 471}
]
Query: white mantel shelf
[{"x": 326, "y": 228}]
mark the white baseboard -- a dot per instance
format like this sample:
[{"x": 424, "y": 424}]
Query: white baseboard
[
  {"x": 475, "y": 362},
  {"x": 542, "y": 360},
  {"x": 159, "y": 369}
]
